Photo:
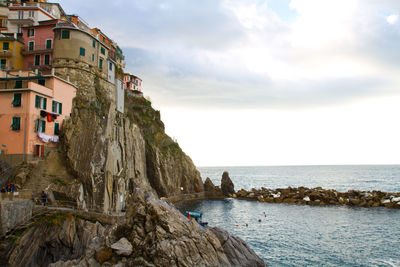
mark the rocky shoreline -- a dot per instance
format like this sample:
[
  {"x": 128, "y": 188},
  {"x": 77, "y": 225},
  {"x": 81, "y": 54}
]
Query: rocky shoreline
[{"x": 320, "y": 196}]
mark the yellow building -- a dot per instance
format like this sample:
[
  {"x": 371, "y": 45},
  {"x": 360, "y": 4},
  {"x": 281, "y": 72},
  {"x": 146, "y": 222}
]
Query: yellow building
[{"x": 10, "y": 52}]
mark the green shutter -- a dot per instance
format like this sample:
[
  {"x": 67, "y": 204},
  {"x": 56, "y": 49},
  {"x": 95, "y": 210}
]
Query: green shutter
[
  {"x": 37, "y": 101},
  {"x": 18, "y": 84},
  {"x": 59, "y": 108},
  {"x": 56, "y": 128},
  {"x": 16, "y": 122},
  {"x": 44, "y": 103},
  {"x": 54, "y": 106},
  {"x": 37, "y": 125},
  {"x": 17, "y": 100},
  {"x": 43, "y": 126}
]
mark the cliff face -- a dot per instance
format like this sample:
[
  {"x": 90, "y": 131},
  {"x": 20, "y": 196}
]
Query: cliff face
[
  {"x": 111, "y": 152},
  {"x": 110, "y": 161}
]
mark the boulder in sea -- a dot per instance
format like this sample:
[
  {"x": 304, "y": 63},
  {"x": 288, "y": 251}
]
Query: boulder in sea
[
  {"x": 208, "y": 185},
  {"x": 227, "y": 186}
]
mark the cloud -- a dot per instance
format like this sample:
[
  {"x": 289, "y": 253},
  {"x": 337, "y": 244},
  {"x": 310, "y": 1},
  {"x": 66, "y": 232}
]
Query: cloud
[
  {"x": 392, "y": 19},
  {"x": 245, "y": 54}
]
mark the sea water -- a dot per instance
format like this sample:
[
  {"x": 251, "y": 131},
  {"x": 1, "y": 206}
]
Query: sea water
[{"x": 300, "y": 235}]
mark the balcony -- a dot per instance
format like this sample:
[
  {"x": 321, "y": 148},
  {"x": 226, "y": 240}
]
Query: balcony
[
  {"x": 23, "y": 21},
  {"x": 37, "y": 50},
  {"x": 5, "y": 53}
]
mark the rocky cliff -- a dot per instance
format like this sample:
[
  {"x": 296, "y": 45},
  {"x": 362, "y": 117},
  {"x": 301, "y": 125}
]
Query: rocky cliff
[{"x": 110, "y": 162}]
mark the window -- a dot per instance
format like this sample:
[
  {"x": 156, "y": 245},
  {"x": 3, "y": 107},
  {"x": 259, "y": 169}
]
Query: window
[
  {"x": 16, "y": 123},
  {"x": 31, "y": 45},
  {"x": 31, "y": 32},
  {"x": 18, "y": 84},
  {"x": 17, "y": 100},
  {"x": 40, "y": 126},
  {"x": 19, "y": 29},
  {"x": 46, "y": 59},
  {"x": 101, "y": 63},
  {"x": 20, "y": 14},
  {"x": 92, "y": 57},
  {"x": 42, "y": 82},
  {"x": 48, "y": 44},
  {"x": 40, "y": 102},
  {"x": 82, "y": 51},
  {"x": 56, "y": 107},
  {"x": 65, "y": 34},
  {"x": 4, "y": 23},
  {"x": 3, "y": 63},
  {"x": 37, "y": 60},
  {"x": 31, "y": 13},
  {"x": 56, "y": 128},
  {"x": 94, "y": 43},
  {"x": 103, "y": 50},
  {"x": 6, "y": 45},
  {"x": 110, "y": 66}
]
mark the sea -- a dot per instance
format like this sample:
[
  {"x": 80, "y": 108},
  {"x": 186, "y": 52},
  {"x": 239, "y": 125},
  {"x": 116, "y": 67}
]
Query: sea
[{"x": 301, "y": 235}]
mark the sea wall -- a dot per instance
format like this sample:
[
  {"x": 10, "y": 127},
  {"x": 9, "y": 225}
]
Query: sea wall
[
  {"x": 14, "y": 213},
  {"x": 319, "y": 196}
]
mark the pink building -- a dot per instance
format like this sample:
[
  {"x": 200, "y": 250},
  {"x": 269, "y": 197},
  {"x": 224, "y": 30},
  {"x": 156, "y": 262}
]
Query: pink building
[
  {"x": 132, "y": 82},
  {"x": 32, "y": 110},
  {"x": 38, "y": 51}
]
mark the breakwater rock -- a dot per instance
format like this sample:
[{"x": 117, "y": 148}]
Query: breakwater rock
[{"x": 319, "y": 196}]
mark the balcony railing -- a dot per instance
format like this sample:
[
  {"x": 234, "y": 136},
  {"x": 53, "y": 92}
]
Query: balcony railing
[
  {"x": 5, "y": 53},
  {"x": 36, "y": 50}
]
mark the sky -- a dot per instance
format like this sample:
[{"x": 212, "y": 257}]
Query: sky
[{"x": 265, "y": 82}]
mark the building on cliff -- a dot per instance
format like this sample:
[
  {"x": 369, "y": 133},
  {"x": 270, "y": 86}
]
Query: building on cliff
[
  {"x": 32, "y": 107},
  {"x": 10, "y": 55},
  {"x": 132, "y": 82},
  {"x": 38, "y": 41},
  {"x": 26, "y": 14}
]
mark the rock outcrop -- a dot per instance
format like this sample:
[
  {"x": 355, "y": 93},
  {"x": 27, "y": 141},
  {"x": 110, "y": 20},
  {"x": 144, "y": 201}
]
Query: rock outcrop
[
  {"x": 319, "y": 196},
  {"x": 111, "y": 162},
  {"x": 154, "y": 234},
  {"x": 227, "y": 186},
  {"x": 239, "y": 253}
]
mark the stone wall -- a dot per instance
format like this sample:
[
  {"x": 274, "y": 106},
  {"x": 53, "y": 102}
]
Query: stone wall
[{"x": 13, "y": 213}]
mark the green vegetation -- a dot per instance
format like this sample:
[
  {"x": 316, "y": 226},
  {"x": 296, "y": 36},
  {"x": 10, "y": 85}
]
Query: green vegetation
[{"x": 60, "y": 182}]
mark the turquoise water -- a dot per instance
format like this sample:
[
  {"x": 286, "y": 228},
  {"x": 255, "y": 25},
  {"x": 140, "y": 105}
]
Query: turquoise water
[{"x": 296, "y": 235}]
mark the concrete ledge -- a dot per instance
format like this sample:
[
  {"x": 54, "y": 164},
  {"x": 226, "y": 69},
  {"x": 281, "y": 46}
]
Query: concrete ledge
[{"x": 192, "y": 197}]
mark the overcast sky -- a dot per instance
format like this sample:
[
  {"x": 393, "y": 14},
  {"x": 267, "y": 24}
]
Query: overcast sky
[{"x": 265, "y": 82}]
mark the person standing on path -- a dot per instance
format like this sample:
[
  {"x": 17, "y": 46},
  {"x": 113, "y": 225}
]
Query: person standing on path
[{"x": 44, "y": 198}]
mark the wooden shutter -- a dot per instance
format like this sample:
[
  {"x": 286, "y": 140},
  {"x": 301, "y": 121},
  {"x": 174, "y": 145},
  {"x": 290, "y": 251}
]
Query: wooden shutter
[
  {"x": 43, "y": 126},
  {"x": 44, "y": 103},
  {"x": 37, "y": 101},
  {"x": 37, "y": 125},
  {"x": 53, "y": 106},
  {"x": 17, "y": 100},
  {"x": 59, "y": 108},
  {"x": 42, "y": 151},
  {"x": 56, "y": 128}
]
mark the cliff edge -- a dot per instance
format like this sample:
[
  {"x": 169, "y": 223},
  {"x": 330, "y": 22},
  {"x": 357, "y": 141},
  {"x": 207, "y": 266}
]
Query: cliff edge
[{"x": 111, "y": 162}]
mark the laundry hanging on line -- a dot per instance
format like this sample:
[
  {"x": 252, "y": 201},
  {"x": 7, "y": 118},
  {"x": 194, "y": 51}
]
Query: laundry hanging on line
[{"x": 50, "y": 116}]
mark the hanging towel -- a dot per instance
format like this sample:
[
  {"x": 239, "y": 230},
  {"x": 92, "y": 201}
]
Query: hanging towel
[
  {"x": 54, "y": 116},
  {"x": 43, "y": 113},
  {"x": 47, "y": 138},
  {"x": 49, "y": 117}
]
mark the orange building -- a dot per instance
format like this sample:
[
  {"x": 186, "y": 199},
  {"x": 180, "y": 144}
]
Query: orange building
[{"x": 32, "y": 110}]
